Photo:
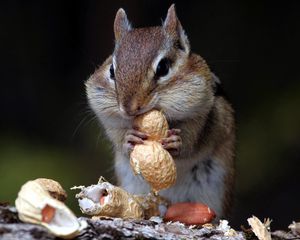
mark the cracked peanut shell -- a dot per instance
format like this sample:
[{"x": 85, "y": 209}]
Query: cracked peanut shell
[
  {"x": 106, "y": 200},
  {"x": 38, "y": 203}
]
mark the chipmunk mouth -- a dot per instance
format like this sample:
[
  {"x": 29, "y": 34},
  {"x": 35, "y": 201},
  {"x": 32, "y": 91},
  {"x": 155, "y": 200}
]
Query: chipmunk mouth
[
  {"x": 152, "y": 104},
  {"x": 124, "y": 114}
]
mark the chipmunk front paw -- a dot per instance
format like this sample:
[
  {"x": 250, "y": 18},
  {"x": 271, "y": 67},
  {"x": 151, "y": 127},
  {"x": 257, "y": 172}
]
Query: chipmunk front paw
[
  {"x": 133, "y": 137},
  {"x": 173, "y": 142}
]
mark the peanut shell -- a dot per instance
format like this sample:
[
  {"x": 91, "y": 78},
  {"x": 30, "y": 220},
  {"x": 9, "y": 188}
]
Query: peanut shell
[
  {"x": 35, "y": 204},
  {"x": 155, "y": 164},
  {"x": 53, "y": 188},
  {"x": 153, "y": 123},
  {"x": 116, "y": 202},
  {"x": 105, "y": 199}
]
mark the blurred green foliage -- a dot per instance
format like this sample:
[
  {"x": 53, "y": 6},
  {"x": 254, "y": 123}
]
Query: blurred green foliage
[
  {"x": 22, "y": 160},
  {"x": 265, "y": 134}
]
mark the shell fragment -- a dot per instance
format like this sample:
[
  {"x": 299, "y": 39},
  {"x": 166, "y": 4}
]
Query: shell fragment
[
  {"x": 105, "y": 199},
  {"x": 35, "y": 205}
]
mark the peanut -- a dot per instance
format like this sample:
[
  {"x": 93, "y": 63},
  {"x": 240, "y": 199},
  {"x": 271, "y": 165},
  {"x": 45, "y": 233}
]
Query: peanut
[
  {"x": 48, "y": 213},
  {"x": 190, "y": 213},
  {"x": 153, "y": 123}
]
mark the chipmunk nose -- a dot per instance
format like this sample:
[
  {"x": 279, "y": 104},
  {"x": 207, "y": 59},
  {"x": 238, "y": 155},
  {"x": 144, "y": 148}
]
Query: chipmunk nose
[{"x": 130, "y": 108}]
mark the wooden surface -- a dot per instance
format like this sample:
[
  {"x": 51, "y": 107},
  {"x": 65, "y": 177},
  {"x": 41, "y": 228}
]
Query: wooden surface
[{"x": 12, "y": 228}]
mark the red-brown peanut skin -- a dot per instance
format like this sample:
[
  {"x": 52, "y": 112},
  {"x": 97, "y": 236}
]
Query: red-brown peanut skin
[
  {"x": 48, "y": 213},
  {"x": 189, "y": 213}
]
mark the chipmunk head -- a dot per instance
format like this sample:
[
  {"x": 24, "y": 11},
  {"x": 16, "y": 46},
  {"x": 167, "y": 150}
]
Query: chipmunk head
[
  {"x": 145, "y": 59},
  {"x": 151, "y": 68}
]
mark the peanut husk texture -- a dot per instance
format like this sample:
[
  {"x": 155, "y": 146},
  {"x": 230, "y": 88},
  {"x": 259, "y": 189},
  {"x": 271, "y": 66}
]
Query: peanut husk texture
[
  {"x": 153, "y": 123},
  {"x": 155, "y": 164}
]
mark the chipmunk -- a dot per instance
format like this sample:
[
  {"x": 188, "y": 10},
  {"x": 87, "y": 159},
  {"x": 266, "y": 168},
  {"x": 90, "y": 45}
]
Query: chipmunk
[{"x": 153, "y": 68}]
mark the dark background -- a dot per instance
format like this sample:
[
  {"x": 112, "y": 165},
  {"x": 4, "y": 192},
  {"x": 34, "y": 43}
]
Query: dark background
[{"x": 49, "y": 48}]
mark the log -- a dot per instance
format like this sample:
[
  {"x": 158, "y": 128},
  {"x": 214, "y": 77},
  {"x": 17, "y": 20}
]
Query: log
[{"x": 115, "y": 228}]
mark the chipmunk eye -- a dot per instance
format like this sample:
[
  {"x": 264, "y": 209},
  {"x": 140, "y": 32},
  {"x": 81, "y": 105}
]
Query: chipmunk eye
[
  {"x": 162, "y": 68},
  {"x": 112, "y": 72}
]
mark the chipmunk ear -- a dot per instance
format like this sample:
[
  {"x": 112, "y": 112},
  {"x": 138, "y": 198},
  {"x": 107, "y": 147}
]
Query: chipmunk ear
[
  {"x": 173, "y": 28},
  {"x": 121, "y": 24}
]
